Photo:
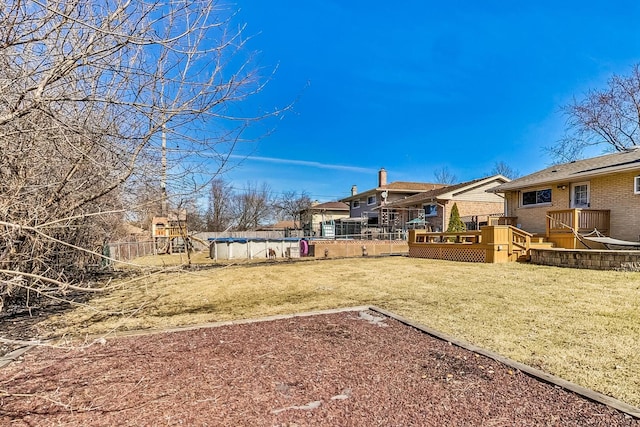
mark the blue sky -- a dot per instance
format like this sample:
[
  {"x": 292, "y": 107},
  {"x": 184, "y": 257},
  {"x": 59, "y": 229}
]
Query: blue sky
[{"x": 414, "y": 86}]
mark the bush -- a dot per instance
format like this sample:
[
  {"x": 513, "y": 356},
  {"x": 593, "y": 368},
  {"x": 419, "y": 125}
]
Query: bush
[{"x": 455, "y": 223}]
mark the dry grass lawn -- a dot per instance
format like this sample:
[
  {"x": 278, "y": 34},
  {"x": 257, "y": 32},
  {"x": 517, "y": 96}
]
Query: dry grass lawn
[{"x": 581, "y": 325}]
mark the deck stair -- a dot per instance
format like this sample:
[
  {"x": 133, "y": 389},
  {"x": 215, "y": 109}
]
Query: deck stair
[{"x": 539, "y": 241}]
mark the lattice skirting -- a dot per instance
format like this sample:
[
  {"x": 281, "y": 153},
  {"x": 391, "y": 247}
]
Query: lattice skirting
[{"x": 449, "y": 254}]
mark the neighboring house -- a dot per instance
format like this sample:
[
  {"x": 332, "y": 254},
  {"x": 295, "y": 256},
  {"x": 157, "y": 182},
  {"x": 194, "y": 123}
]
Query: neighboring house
[
  {"x": 319, "y": 219},
  {"x": 432, "y": 209},
  {"x": 127, "y": 232},
  {"x": 366, "y": 205},
  {"x": 280, "y": 226},
  {"x": 601, "y": 192}
]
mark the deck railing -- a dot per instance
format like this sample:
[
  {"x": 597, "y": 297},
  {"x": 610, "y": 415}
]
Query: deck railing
[
  {"x": 579, "y": 220},
  {"x": 500, "y": 243},
  {"x": 437, "y": 237},
  {"x": 519, "y": 240},
  {"x": 502, "y": 220},
  {"x": 171, "y": 232}
]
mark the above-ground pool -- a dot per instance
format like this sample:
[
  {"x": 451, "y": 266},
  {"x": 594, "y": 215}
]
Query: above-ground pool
[{"x": 255, "y": 247}]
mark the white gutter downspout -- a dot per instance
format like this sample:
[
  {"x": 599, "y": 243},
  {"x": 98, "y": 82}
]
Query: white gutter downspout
[
  {"x": 505, "y": 208},
  {"x": 444, "y": 214}
]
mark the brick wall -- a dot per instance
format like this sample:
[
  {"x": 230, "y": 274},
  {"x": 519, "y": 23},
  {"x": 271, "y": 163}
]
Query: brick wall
[
  {"x": 533, "y": 218},
  {"x": 616, "y": 194},
  {"x": 467, "y": 208},
  {"x": 354, "y": 248},
  {"x": 613, "y": 192}
]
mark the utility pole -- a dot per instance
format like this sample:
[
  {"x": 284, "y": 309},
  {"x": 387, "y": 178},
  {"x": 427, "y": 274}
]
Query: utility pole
[{"x": 163, "y": 182}]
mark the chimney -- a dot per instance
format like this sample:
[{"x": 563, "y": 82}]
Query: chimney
[
  {"x": 382, "y": 177},
  {"x": 354, "y": 190}
]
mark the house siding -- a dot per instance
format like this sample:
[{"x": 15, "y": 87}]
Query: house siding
[
  {"x": 613, "y": 192},
  {"x": 469, "y": 208},
  {"x": 373, "y": 210},
  {"x": 465, "y": 208},
  {"x": 479, "y": 194},
  {"x": 318, "y": 217},
  {"x": 534, "y": 218}
]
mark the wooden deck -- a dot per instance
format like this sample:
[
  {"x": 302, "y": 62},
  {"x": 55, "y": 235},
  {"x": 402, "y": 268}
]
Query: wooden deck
[
  {"x": 492, "y": 244},
  {"x": 565, "y": 226},
  {"x": 580, "y": 220},
  {"x": 562, "y": 225}
]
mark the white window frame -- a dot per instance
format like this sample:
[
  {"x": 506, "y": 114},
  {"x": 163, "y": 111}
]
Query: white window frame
[
  {"x": 533, "y": 205},
  {"x": 433, "y": 211},
  {"x": 374, "y": 198},
  {"x": 355, "y": 204},
  {"x": 573, "y": 204},
  {"x": 636, "y": 185}
]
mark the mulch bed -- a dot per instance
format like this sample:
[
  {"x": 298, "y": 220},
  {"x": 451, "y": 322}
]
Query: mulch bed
[{"x": 342, "y": 369}]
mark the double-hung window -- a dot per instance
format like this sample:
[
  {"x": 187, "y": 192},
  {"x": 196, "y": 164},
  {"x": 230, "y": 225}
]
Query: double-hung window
[{"x": 430, "y": 210}]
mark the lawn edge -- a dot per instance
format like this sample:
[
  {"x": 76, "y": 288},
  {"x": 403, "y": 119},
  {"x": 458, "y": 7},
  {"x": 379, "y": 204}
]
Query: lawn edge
[{"x": 531, "y": 371}]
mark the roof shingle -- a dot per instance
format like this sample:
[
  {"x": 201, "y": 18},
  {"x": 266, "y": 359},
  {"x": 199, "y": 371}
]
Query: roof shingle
[{"x": 577, "y": 170}]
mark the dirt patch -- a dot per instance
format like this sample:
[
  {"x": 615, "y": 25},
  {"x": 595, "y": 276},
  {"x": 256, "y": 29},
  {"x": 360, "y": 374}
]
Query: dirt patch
[
  {"x": 19, "y": 320},
  {"x": 342, "y": 369},
  {"x": 20, "y": 323}
]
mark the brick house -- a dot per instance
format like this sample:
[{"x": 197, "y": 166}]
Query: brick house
[
  {"x": 319, "y": 216},
  {"x": 431, "y": 209},
  {"x": 366, "y": 205},
  {"x": 601, "y": 192}
]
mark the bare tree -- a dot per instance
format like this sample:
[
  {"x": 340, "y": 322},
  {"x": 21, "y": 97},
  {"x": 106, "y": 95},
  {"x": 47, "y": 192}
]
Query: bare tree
[
  {"x": 444, "y": 176},
  {"x": 196, "y": 218},
  {"x": 219, "y": 216},
  {"x": 608, "y": 118},
  {"x": 143, "y": 200},
  {"x": 502, "y": 168},
  {"x": 87, "y": 90},
  {"x": 252, "y": 206},
  {"x": 290, "y": 204}
]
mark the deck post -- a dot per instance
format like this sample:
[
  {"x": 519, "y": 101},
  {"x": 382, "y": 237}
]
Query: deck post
[{"x": 496, "y": 238}]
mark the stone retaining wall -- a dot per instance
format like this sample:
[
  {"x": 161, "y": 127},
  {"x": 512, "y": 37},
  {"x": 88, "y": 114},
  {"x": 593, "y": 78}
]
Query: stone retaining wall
[{"x": 588, "y": 258}]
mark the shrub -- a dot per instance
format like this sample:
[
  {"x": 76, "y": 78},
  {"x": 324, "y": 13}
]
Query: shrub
[{"x": 455, "y": 223}]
